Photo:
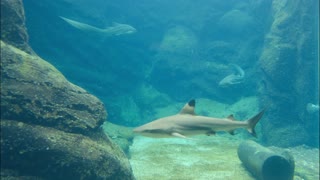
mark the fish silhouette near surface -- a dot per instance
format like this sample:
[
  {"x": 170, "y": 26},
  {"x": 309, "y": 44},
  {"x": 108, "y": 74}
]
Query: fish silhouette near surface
[
  {"x": 188, "y": 123},
  {"x": 234, "y": 78},
  {"x": 115, "y": 30}
]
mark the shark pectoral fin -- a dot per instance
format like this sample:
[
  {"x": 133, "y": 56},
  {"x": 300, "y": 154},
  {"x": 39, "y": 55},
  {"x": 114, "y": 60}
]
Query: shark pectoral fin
[
  {"x": 179, "y": 135},
  {"x": 231, "y": 132},
  {"x": 209, "y": 133}
]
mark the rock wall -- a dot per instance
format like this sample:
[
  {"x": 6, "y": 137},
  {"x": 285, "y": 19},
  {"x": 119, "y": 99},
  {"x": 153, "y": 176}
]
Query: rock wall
[
  {"x": 13, "y": 28},
  {"x": 50, "y": 128},
  {"x": 289, "y": 66}
]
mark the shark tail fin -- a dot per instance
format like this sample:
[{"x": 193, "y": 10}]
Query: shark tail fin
[{"x": 252, "y": 122}]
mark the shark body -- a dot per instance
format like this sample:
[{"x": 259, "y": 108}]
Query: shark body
[
  {"x": 188, "y": 123},
  {"x": 115, "y": 30},
  {"x": 234, "y": 78}
]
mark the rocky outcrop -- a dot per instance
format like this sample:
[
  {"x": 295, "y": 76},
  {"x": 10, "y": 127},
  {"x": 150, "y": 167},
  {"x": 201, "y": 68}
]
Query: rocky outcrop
[
  {"x": 35, "y": 92},
  {"x": 50, "y": 128},
  {"x": 13, "y": 28},
  {"x": 289, "y": 73},
  {"x": 120, "y": 135},
  {"x": 53, "y": 154}
]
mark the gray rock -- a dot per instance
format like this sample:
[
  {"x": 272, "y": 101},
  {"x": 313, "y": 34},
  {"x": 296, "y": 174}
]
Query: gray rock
[
  {"x": 13, "y": 30},
  {"x": 289, "y": 75},
  {"x": 53, "y": 154},
  {"x": 35, "y": 92},
  {"x": 50, "y": 128}
]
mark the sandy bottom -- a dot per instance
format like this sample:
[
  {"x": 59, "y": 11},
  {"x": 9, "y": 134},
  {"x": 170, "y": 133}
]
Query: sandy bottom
[
  {"x": 174, "y": 158},
  {"x": 203, "y": 158}
]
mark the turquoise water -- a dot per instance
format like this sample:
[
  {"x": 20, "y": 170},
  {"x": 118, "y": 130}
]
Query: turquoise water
[{"x": 146, "y": 59}]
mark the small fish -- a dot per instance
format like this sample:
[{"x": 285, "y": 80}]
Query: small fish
[
  {"x": 234, "y": 78},
  {"x": 188, "y": 123},
  {"x": 312, "y": 108},
  {"x": 115, "y": 30}
]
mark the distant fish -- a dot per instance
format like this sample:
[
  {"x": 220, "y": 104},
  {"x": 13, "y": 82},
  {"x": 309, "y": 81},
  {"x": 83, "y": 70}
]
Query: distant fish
[
  {"x": 115, "y": 30},
  {"x": 312, "y": 108},
  {"x": 234, "y": 78}
]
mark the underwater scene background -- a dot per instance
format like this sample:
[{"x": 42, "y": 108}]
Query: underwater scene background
[{"x": 70, "y": 67}]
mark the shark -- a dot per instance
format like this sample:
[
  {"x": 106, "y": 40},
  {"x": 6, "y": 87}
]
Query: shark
[
  {"x": 115, "y": 30},
  {"x": 234, "y": 78},
  {"x": 187, "y": 123}
]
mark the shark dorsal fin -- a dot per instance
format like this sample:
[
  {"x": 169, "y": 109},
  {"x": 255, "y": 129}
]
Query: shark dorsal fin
[
  {"x": 231, "y": 117},
  {"x": 189, "y": 108}
]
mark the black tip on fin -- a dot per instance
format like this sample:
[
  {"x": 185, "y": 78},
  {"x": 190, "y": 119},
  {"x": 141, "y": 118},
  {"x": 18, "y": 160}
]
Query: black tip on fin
[
  {"x": 231, "y": 117},
  {"x": 192, "y": 103},
  {"x": 231, "y": 132}
]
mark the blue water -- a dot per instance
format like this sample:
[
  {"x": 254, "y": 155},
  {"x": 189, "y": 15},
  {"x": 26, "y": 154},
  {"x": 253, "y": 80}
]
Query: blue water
[{"x": 181, "y": 50}]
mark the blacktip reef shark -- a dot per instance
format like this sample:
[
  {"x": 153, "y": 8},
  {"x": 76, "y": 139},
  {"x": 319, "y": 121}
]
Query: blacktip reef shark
[
  {"x": 186, "y": 122},
  {"x": 115, "y": 30},
  {"x": 234, "y": 78}
]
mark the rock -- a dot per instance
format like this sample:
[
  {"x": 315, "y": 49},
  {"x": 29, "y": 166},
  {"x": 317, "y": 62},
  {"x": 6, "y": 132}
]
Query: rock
[
  {"x": 13, "y": 30},
  {"x": 121, "y": 135},
  {"x": 50, "y": 128},
  {"x": 236, "y": 23},
  {"x": 289, "y": 75},
  {"x": 53, "y": 154},
  {"x": 35, "y": 92},
  {"x": 179, "y": 40}
]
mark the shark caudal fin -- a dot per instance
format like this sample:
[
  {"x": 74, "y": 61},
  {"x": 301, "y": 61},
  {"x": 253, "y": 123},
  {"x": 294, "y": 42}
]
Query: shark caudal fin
[{"x": 252, "y": 122}]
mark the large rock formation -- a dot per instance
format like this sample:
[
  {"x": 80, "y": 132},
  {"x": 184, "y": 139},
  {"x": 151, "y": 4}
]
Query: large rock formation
[
  {"x": 35, "y": 92},
  {"x": 289, "y": 65},
  {"x": 53, "y": 154},
  {"x": 13, "y": 28},
  {"x": 50, "y": 128}
]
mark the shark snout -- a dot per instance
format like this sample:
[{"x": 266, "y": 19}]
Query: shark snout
[{"x": 138, "y": 129}]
